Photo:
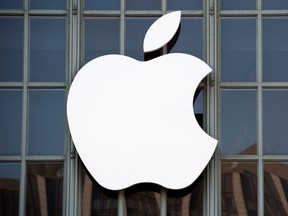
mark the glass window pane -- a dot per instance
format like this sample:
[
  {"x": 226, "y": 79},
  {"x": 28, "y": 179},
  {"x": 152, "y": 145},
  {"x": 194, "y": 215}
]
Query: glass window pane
[
  {"x": 11, "y": 49},
  {"x": 51, "y": 4},
  {"x": 238, "y": 4},
  {"x": 188, "y": 201},
  {"x": 135, "y": 32},
  {"x": 46, "y": 122},
  {"x": 238, "y": 50},
  {"x": 8, "y": 4},
  {"x": 238, "y": 122},
  {"x": 275, "y": 49},
  {"x": 10, "y": 121},
  {"x": 190, "y": 38},
  {"x": 275, "y": 4},
  {"x": 275, "y": 121},
  {"x": 101, "y": 37},
  {"x": 239, "y": 188},
  {"x": 9, "y": 188},
  {"x": 44, "y": 188},
  {"x": 142, "y": 199},
  {"x": 97, "y": 200},
  {"x": 143, "y": 4},
  {"x": 275, "y": 188},
  {"x": 184, "y": 5},
  {"x": 47, "y": 49},
  {"x": 102, "y": 5}
]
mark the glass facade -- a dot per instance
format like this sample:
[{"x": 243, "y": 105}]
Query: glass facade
[{"x": 243, "y": 104}]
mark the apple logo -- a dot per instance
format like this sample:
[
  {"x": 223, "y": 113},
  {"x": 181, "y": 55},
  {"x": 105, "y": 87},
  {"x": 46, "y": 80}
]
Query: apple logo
[{"x": 133, "y": 121}]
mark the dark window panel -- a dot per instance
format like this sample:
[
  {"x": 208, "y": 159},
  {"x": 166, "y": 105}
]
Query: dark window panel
[
  {"x": 238, "y": 50},
  {"x": 44, "y": 188},
  {"x": 11, "y": 49},
  {"x": 136, "y": 29},
  {"x": 275, "y": 122},
  {"x": 101, "y": 37},
  {"x": 10, "y": 122},
  {"x": 47, "y": 49},
  {"x": 275, "y": 49},
  {"x": 102, "y": 5},
  {"x": 275, "y": 4},
  {"x": 238, "y": 122},
  {"x": 46, "y": 122},
  {"x": 143, "y": 4},
  {"x": 184, "y": 5},
  {"x": 11, "y": 4},
  {"x": 51, "y": 4},
  {"x": 239, "y": 188},
  {"x": 238, "y": 4}
]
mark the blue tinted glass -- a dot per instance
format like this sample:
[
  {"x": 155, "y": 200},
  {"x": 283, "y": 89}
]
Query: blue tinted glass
[
  {"x": 275, "y": 4},
  {"x": 10, "y": 122},
  {"x": 275, "y": 121},
  {"x": 47, "y": 49},
  {"x": 101, "y": 37},
  {"x": 11, "y": 4},
  {"x": 238, "y": 50},
  {"x": 135, "y": 32},
  {"x": 238, "y": 4},
  {"x": 46, "y": 122},
  {"x": 238, "y": 122},
  {"x": 51, "y": 4},
  {"x": 11, "y": 49},
  {"x": 102, "y": 5},
  {"x": 143, "y": 4},
  {"x": 184, "y": 4},
  {"x": 190, "y": 37},
  {"x": 275, "y": 49}
]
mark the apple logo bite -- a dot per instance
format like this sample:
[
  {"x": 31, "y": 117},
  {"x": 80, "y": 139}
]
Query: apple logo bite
[{"x": 133, "y": 121}]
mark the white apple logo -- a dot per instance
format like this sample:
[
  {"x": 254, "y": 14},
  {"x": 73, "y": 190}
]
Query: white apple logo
[{"x": 133, "y": 121}]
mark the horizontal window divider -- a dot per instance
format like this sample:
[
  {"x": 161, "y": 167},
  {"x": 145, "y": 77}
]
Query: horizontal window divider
[
  {"x": 239, "y": 13},
  {"x": 276, "y": 158},
  {"x": 143, "y": 13},
  {"x": 11, "y": 12},
  {"x": 236, "y": 158},
  {"x": 45, "y": 158},
  {"x": 98, "y": 13},
  {"x": 10, "y": 159},
  {"x": 232, "y": 85},
  {"x": 34, "y": 12},
  {"x": 17, "y": 85},
  {"x": 275, "y": 13},
  {"x": 277, "y": 85},
  {"x": 46, "y": 85}
]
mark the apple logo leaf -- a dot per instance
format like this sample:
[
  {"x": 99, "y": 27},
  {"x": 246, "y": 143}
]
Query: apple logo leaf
[{"x": 161, "y": 31}]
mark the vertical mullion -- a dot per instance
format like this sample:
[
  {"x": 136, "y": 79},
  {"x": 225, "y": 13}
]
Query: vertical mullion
[{"x": 22, "y": 194}]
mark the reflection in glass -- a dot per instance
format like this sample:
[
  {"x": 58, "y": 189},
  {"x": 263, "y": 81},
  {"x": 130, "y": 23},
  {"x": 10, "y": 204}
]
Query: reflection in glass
[
  {"x": 101, "y": 37},
  {"x": 9, "y": 188},
  {"x": 188, "y": 201},
  {"x": 184, "y": 5},
  {"x": 10, "y": 121},
  {"x": 275, "y": 49},
  {"x": 44, "y": 188},
  {"x": 238, "y": 5},
  {"x": 102, "y": 5},
  {"x": 95, "y": 199},
  {"x": 143, "y": 199},
  {"x": 8, "y": 4},
  {"x": 190, "y": 37},
  {"x": 275, "y": 188},
  {"x": 275, "y": 4},
  {"x": 239, "y": 188},
  {"x": 51, "y": 4},
  {"x": 238, "y": 122},
  {"x": 143, "y": 4},
  {"x": 275, "y": 121},
  {"x": 238, "y": 50},
  {"x": 11, "y": 49},
  {"x": 47, "y": 49},
  {"x": 46, "y": 122},
  {"x": 135, "y": 32}
]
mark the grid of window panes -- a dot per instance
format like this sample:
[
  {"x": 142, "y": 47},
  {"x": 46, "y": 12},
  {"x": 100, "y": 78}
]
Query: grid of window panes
[
  {"x": 253, "y": 103},
  {"x": 33, "y": 68}
]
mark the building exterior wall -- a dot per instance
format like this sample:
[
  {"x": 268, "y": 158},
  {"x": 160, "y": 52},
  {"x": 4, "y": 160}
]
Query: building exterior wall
[{"x": 243, "y": 104}]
